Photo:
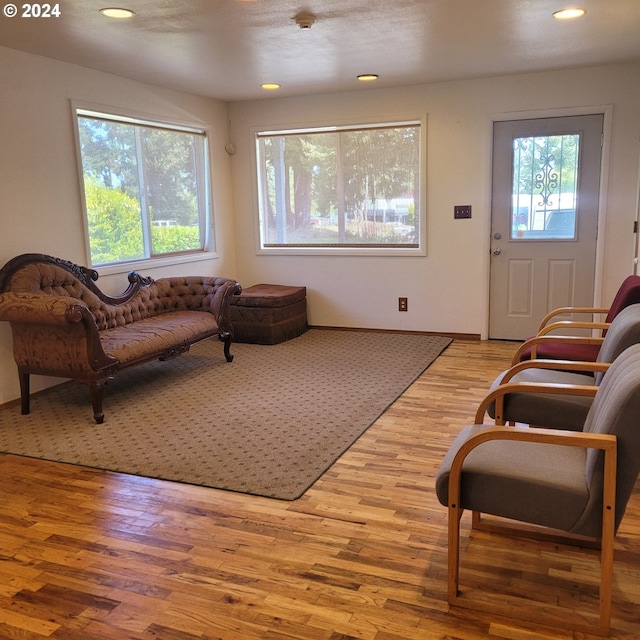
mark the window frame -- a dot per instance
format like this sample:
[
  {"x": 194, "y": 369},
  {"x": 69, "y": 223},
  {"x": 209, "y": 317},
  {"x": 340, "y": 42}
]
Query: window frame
[
  {"x": 124, "y": 116},
  {"x": 348, "y": 250}
]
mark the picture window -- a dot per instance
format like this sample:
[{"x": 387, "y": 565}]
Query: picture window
[
  {"x": 145, "y": 188},
  {"x": 355, "y": 189}
]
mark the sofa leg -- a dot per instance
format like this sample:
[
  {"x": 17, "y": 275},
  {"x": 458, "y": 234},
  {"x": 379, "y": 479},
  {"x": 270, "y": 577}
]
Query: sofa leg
[
  {"x": 96, "y": 390},
  {"x": 24, "y": 392},
  {"x": 226, "y": 338}
]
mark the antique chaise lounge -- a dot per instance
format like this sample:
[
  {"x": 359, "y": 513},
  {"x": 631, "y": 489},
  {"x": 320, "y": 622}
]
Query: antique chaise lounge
[{"x": 63, "y": 325}]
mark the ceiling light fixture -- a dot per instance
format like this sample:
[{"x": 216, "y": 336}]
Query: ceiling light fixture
[
  {"x": 305, "y": 20},
  {"x": 270, "y": 86},
  {"x": 569, "y": 14},
  {"x": 117, "y": 12},
  {"x": 367, "y": 77}
]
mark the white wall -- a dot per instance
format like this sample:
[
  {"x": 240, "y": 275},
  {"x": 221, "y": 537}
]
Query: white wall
[
  {"x": 40, "y": 209},
  {"x": 447, "y": 289},
  {"x": 40, "y": 206}
]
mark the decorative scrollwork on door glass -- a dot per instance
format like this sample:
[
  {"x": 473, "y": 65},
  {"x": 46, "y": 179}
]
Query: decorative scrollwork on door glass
[{"x": 545, "y": 186}]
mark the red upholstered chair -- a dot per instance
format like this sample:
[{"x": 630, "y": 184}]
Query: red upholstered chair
[{"x": 549, "y": 346}]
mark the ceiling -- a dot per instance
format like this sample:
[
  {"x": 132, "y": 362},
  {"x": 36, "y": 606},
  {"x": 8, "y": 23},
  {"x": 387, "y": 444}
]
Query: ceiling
[{"x": 226, "y": 49}]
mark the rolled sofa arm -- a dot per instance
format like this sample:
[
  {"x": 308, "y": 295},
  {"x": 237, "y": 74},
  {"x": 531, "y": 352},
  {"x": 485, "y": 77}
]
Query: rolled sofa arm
[
  {"x": 54, "y": 335},
  {"x": 220, "y": 306},
  {"x": 36, "y": 308}
]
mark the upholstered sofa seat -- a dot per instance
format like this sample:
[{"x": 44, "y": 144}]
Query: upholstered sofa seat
[{"x": 130, "y": 343}]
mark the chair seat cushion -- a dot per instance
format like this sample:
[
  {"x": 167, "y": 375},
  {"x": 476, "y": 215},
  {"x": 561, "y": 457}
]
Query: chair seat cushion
[
  {"x": 551, "y": 411},
  {"x": 531, "y": 482},
  {"x": 564, "y": 351}
]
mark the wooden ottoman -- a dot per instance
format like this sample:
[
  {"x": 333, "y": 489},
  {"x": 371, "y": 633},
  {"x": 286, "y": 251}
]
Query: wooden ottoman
[{"x": 269, "y": 313}]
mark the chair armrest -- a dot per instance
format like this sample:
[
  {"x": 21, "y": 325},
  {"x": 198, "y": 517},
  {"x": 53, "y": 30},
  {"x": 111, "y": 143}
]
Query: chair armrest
[
  {"x": 555, "y": 365},
  {"x": 533, "y": 342},
  {"x": 553, "y": 388},
  {"x": 572, "y": 324},
  {"x": 562, "y": 310}
]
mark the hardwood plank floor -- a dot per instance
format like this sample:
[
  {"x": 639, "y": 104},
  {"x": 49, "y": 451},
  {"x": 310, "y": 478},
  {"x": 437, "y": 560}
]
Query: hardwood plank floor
[{"x": 89, "y": 555}]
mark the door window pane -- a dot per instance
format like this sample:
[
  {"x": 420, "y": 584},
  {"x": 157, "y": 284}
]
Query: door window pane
[{"x": 544, "y": 193}]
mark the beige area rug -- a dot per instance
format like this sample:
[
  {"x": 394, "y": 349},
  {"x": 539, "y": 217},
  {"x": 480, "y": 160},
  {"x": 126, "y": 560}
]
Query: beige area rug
[{"x": 269, "y": 423}]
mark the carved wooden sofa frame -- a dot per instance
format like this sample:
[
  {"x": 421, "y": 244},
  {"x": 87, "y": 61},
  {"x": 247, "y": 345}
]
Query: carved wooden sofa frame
[{"x": 63, "y": 325}]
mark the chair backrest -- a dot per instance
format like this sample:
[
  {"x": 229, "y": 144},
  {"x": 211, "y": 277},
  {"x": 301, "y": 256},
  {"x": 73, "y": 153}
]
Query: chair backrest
[
  {"x": 628, "y": 293},
  {"x": 623, "y": 332},
  {"x": 615, "y": 410}
]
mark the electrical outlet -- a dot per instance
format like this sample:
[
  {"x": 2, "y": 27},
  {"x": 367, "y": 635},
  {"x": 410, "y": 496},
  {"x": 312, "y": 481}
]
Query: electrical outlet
[
  {"x": 403, "y": 304},
  {"x": 461, "y": 211}
]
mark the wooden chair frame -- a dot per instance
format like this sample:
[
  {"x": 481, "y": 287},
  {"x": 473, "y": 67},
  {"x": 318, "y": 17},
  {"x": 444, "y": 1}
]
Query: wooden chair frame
[
  {"x": 506, "y": 387},
  {"x": 573, "y": 324},
  {"x": 593, "y": 311},
  {"x": 605, "y": 442},
  {"x": 532, "y": 343}
]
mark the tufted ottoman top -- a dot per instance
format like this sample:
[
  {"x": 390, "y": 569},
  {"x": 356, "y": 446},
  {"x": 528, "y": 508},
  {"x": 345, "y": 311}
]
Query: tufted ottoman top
[{"x": 269, "y": 295}]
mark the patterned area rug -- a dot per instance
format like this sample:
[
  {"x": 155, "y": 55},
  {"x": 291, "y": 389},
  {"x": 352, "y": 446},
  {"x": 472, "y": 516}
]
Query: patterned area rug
[{"x": 269, "y": 423}]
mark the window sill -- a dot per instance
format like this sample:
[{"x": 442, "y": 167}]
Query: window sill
[
  {"x": 343, "y": 251},
  {"x": 153, "y": 263}
]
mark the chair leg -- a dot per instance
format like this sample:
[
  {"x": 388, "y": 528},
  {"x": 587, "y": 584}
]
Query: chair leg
[
  {"x": 606, "y": 582},
  {"x": 454, "y": 555},
  {"x": 607, "y": 540},
  {"x": 226, "y": 338},
  {"x": 25, "y": 399},
  {"x": 96, "y": 390},
  {"x": 453, "y": 541}
]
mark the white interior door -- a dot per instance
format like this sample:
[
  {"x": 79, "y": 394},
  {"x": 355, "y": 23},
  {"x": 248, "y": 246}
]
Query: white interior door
[{"x": 544, "y": 219}]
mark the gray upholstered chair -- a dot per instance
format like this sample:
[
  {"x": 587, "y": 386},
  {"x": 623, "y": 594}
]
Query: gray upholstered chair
[
  {"x": 573, "y": 484},
  {"x": 558, "y": 394}
]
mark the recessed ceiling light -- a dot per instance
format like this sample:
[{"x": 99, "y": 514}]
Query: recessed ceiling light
[
  {"x": 368, "y": 77},
  {"x": 117, "y": 12},
  {"x": 568, "y": 14},
  {"x": 270, "y": 86}
]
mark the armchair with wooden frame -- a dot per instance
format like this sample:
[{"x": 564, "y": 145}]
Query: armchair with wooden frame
[
  {"x": 572, "y": 486},
  {"x": 558, "y": 393},
  {"x": 547, "y": 344}
]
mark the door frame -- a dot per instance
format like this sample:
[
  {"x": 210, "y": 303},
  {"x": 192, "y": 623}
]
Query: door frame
[
  {"x": 636, "y": 258},
  {"x": 607, "y": 111}
]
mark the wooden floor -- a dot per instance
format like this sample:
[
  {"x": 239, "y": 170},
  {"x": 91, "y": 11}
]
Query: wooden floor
[{"x": 94, "y": 555}]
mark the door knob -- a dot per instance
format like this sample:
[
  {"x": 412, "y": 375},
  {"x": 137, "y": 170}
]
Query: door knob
[{"x": 497, "y": 252}]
